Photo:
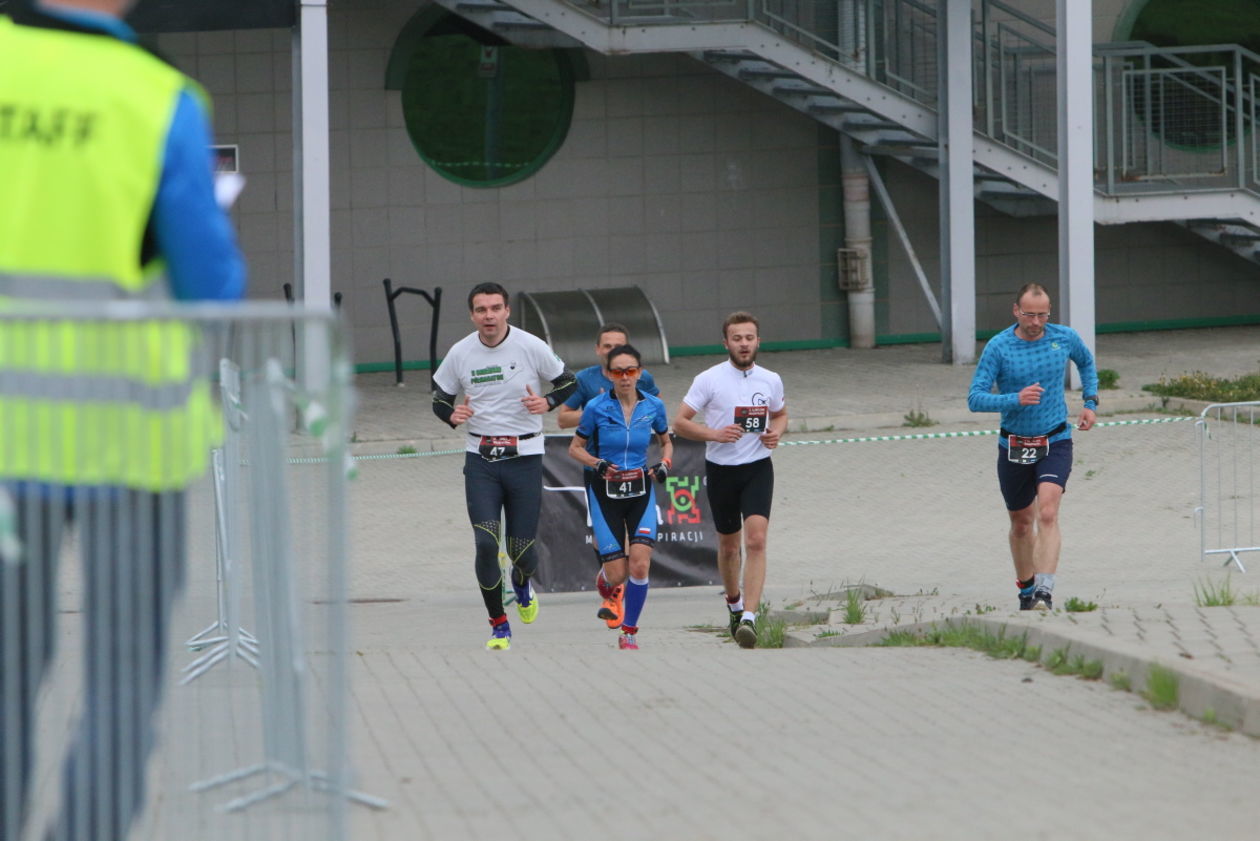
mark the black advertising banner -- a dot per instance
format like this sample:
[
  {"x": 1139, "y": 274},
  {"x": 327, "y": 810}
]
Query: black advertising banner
[{"x": 686, "y": 544}]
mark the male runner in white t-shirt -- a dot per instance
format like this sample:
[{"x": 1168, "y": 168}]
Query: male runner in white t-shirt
[
  {"x": 744, "y": 415},
  {"x": 498, "y": 368}
]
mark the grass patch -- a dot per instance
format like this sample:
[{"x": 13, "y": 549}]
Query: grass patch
[
  {"x": 854, "y": 608},
  {"x": 997, "y": 646},
  {"x": 1108, "y": 378},
  {"x": 1201, "y": 386},
  {"x": 1211, "y": 594},
  {"x": 406, "y": 450},
  {"x": 915, "y": 418},
  {"x": 1075, "y": 605},
  {"x": 770, "y": 631},
  {"x": 1163, "y": 689},
  {"x": 1121, "y": 681}
]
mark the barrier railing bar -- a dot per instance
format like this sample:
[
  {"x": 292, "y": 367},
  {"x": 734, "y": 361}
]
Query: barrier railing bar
[{"x": 435, "y": 301}]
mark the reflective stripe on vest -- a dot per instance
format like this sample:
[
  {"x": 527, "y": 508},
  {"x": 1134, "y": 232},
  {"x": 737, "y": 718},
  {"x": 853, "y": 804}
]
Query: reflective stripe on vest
[
  {"x": 51, "y": 288},
  {"x": 82, "y": 402}
]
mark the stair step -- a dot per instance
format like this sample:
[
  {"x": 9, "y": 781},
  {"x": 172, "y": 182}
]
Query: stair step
[
  {"x": 800, "y": 90},
  {"x": 522, "y": 24},
  {"x": 712, "y": 56},
  {"x": 873, "y": 124},
  {"x": 837, "y": 107},
  {"x": 484, "y": 6},
  {"x": 747, "y": 73},
  {"x": 1239, "y": 239}
]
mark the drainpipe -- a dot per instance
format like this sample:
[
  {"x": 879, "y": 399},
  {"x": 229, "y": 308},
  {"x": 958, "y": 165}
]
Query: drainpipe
[{"x": 855, "y": 275}]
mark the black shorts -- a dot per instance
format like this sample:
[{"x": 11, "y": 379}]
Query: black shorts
[
  {"x": 738, "y": 491},
  {"x": 1019, "y": 481}
]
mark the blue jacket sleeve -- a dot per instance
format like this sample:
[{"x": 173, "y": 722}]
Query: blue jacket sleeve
[
  {"x": 1085, "y": 365},
  {"x": 193, "y": 234},
  {"x": 647, "y": 385},
  {"x": 981, "y": 398}
]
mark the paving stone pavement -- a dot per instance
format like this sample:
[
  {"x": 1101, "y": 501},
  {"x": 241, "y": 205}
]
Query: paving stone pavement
[{"x": 691, "y": 738}]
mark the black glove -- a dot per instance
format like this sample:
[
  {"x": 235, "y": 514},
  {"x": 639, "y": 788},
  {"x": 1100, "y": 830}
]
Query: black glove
[
  {"x": 604, "y": 468},
  {"x": 659, "y": 471}
]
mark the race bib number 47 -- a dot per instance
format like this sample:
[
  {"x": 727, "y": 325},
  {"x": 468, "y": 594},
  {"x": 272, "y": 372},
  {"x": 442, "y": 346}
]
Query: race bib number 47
[
  {"x": 495, "y": 447},
  {"x": 752, "y": 418}
]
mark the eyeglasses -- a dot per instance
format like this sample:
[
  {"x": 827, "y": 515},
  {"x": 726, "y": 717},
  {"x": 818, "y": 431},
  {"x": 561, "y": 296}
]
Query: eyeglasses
[
  {"x": 623, "y": 373},
  {"x": 1040, "y": 316}
]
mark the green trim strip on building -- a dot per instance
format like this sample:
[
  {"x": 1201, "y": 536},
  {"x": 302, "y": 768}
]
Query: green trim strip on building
[{"x": 893, "y": 339}]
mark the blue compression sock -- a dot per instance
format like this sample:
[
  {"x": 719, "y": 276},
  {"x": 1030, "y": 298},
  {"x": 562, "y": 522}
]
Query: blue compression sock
[{"x": 636, "y": 596}]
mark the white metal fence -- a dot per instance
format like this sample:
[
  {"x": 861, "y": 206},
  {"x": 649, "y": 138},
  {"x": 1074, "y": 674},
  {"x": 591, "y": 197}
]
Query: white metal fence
[
  {"x": 117, "y": 731},
  {"x": 1229, "y": 508}
]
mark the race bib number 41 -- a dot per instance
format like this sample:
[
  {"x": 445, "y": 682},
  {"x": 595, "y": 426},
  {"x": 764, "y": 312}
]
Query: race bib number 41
[
  {"x": 752, "y": 418},
  {"x": 495, "y": 447},
  {"x": 625, "y": 484},
  {"x": 1025, "y": 450}
]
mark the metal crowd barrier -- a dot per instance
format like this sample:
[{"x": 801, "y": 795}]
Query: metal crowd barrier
[
  {"x": 98, "y": 738},
  {"x": 1228, "y": 501}
]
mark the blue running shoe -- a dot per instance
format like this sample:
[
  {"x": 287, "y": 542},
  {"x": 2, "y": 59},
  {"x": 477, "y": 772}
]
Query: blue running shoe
[
  {"x": 500, "y": 637},
  {"x": 526, "y": 602}
]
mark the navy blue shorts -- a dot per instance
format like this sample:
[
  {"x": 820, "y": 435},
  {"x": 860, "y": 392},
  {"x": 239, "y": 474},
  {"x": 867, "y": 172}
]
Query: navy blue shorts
[{"x": 1019, "y": 481}]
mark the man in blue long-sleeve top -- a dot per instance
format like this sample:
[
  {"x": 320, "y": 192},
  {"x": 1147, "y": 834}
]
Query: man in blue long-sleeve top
[{"x": 1028, "y": 363}]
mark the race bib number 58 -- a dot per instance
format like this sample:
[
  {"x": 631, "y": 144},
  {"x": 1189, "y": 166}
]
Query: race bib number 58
[{"x": 752, "y": 418}]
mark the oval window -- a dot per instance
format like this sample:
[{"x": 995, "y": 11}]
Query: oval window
[{"x": 485, "y": 114}]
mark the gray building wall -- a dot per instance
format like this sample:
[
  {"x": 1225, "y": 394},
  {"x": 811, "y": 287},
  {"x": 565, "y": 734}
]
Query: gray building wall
[
  {"x": 673, "y": 177},
  {"x": 1144, "y": 272}
]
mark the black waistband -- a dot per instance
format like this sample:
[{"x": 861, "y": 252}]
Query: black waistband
[
  {"x": 517, "y": 437},
  {"x": 1006, "y": 433}
]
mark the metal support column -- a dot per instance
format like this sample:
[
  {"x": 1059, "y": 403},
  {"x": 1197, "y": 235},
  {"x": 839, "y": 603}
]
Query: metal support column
[
  {"x": 860, "y": 287},
  {"x": 957, "y": 202},
  {"x": 1075, "y": 61},
  {"x": 312, "y": 216}
]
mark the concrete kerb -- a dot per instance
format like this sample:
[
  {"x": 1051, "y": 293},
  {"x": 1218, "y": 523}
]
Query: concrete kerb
[{"x": 1201, "y": 694}]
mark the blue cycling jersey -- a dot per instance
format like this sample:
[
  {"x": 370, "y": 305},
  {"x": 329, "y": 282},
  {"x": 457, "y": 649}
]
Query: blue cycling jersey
[
  {"x": 610, "y": 437},
  {"x": 591, "y": 382},
  {"x": 1014, "y": 363}
]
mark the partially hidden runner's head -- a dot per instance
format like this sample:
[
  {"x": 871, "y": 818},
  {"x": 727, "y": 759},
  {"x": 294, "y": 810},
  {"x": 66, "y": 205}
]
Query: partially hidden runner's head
[
  {"x": 1031, "y": 311},
  {"x": 610, "y": 335},
  {"x": 624, "y": 366},
  {"x": 741, "y": 336},
  {"x": 488, "y": 308}
]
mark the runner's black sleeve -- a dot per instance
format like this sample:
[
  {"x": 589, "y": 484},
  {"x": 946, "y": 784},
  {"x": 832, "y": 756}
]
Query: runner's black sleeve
[
  {"x": 562, "y": 386},
  {"x": 443, "y": 406}
]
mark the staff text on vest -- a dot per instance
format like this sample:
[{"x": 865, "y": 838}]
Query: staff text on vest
[{"x": 46, "y": 126}]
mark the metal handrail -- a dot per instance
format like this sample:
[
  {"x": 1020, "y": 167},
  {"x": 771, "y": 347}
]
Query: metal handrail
[{"x": 1140, "y": 148}]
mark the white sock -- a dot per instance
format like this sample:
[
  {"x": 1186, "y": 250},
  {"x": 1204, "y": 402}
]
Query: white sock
[
  {"x": 738, "y": 606},
  {"x": 748, "y": 616},
  {"x": 1044, "y": 580}
]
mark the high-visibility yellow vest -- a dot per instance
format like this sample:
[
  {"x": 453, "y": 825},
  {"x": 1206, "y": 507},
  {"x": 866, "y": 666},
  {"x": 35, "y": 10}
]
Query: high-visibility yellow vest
[{"x": 83, "y": 126}]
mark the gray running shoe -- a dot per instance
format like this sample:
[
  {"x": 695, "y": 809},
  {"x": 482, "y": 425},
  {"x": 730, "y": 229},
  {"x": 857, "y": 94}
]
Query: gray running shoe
[
  {"x": 1042, "y": 599},
  {"x": 746, "y": 634}
]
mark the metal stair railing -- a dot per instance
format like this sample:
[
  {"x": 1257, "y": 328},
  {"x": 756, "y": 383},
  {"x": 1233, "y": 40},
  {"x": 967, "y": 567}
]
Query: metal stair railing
[{"x": 1166, "y": 122}]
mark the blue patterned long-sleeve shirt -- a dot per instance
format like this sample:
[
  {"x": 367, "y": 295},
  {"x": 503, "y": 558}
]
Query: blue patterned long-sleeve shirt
[{"x": 1014, "y": 364}]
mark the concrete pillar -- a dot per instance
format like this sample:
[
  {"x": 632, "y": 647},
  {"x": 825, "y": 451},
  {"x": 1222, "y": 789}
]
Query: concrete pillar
[
  {"x": 957, "y": 193},
  {"x": 857, "y": 237},
  {"x": 1075, "y": 63}
]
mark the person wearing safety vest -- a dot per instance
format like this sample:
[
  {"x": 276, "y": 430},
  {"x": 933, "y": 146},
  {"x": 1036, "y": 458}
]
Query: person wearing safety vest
[{"x": 108, "y": 197}]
